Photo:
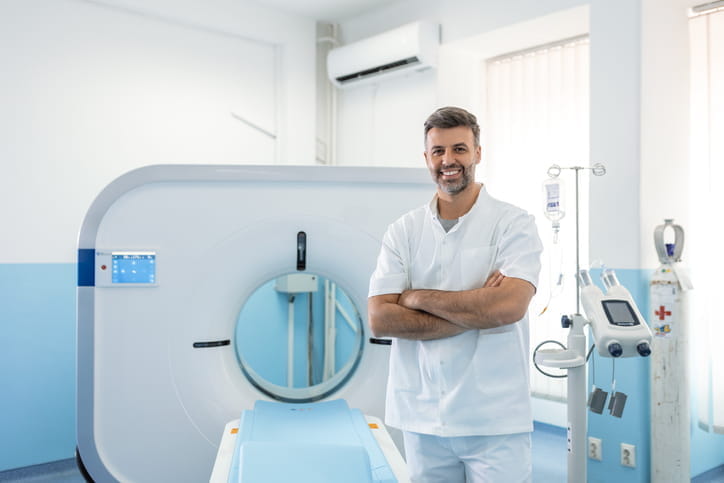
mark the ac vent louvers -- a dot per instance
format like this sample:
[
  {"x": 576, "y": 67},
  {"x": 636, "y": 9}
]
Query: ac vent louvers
[
  {"x": 406, "y": 49},
  {"x": 379, "y": 69}
]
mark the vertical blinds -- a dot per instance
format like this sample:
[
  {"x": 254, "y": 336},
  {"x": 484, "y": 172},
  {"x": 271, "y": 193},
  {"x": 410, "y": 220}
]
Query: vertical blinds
[
  {"x": 537, "y": 115},
  {"x": 707, "y": 199}
]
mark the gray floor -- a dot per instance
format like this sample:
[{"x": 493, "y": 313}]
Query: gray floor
[
  {"x": 549, "y": 454},
  {"x": 64, "y": 471},
  {"x": 714, "y": 476},
  {"x": 549, "y": 464}
]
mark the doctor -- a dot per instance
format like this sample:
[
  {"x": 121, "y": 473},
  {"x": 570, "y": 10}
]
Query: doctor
[{"x": 452, "y": 286}]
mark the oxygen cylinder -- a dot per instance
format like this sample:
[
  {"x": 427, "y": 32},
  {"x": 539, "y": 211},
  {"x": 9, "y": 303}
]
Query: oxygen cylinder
[{"x": 670, "y": 450}]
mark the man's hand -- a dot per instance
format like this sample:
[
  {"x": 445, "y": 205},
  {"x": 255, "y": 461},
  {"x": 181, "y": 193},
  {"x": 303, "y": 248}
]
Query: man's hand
[
  {"x": 412, "y": 299},
  {"x": 436, "y": 314},
  {"x": 501, "y": 301},
  {"x": 494, "y": 279}
]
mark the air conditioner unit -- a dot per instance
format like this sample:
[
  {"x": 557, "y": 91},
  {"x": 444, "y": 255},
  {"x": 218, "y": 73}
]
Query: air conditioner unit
[{"x": 411, "y": 47}]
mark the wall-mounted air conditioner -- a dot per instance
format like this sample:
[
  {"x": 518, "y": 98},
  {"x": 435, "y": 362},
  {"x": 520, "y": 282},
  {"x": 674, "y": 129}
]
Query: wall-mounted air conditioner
[{"x": 402, "y": 50}]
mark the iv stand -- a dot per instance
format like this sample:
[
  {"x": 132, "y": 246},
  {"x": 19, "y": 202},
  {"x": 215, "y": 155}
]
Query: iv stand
[
  {"x": 554, "y": 171},
  {"x": 573, "y": 359}
]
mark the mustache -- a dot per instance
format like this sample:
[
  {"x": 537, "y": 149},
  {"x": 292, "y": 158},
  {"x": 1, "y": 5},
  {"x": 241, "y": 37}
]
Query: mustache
[{"x": 451, "y": 166}]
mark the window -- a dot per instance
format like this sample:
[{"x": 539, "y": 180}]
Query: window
[
  {"x": 707, "y": 198},
  {"x": 537, "y": 116}
]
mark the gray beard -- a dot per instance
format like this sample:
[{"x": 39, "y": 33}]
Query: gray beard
[{"x": 455, "y": 187}]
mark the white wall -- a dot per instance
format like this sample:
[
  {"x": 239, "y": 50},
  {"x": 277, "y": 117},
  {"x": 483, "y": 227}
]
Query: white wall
[
  {"x": 93, "y": 89},
  {"x": 615, "y": 29},
  {"x": 460, "y": 19},
  {"x": 382, "y": 125},
  {"x": 664, "y": 119},
  {"x": 615, "y": 120}
]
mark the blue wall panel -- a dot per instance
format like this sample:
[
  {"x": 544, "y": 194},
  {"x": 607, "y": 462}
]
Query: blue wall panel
[
  {"x": 37, "y": 378},
  {"x": 632, "y": 378},
  {"x": 37, "y": 363}
]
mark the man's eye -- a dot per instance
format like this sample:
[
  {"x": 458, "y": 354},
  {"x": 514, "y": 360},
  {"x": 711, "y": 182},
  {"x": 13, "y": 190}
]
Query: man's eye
[{"x": 460, "y": 149}]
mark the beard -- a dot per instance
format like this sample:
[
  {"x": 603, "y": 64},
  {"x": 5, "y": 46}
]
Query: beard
[{"x": 454, "y": 186}]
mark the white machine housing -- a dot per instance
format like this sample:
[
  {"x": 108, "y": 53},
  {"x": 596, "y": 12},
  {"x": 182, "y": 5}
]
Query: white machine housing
[
  {"x": 618, "y": 327},
  {"x": 152, "y": 403},
  {"x": 411, "y": 47}
]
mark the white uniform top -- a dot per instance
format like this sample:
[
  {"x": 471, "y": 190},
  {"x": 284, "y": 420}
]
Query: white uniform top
[{"x": 477, "y": 382}]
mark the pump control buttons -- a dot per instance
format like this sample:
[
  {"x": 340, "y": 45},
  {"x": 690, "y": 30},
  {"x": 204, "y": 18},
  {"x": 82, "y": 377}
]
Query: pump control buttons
[
  {"x": 644, "y": 349},
  {"x": 615, "y": 349}
]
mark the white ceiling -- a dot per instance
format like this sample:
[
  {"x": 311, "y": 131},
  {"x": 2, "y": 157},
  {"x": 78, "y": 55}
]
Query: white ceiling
[{"x": 325, "y": 10}]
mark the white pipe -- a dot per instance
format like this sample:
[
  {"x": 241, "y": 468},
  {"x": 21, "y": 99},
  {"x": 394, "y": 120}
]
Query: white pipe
[
  {"x": 332, "y": 342},
  {"x": 329, "y": 300},
  {"x": 325, "y": 369},
  {"x": 346, "y": 317},
  {"x": 332, "y": 113},
  {"x": 290, "y": 343}
]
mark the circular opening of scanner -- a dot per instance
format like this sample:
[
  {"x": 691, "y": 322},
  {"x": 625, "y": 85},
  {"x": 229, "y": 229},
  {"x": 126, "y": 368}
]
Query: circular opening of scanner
[{"x": 298, "y": 337}]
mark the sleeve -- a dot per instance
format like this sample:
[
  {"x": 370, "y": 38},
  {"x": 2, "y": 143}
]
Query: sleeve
[
  {"x": 520, "y": 249},
  {"x": 391, "y": 273}
]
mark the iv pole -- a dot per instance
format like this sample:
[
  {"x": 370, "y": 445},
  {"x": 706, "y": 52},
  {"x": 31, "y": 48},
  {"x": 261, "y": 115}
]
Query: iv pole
[
  {"x": 554, "y": 171},
  {"x": 574, "y": 357}
]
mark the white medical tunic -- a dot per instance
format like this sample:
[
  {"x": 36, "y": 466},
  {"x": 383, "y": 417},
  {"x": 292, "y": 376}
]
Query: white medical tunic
[{"x": 477, "y": 382}]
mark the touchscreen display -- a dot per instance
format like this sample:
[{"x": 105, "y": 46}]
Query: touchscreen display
[
  {"x": 133, "y": 267},
  {"x": 619, "y": 312}
]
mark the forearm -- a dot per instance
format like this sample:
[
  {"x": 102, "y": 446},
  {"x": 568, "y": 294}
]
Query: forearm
[
  {"x": 481, "y": 308},
  {"x": 390, "y": 319}
]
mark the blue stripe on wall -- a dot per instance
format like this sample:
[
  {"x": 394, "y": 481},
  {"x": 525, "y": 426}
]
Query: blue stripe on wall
[
  {"x": 37, "y": 378},
  {"x": 37, "y": 363}
]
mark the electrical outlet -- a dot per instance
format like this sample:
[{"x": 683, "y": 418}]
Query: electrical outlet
[
  {"x": 628, "y": 455},
  {"x": 595, "y": 449}
]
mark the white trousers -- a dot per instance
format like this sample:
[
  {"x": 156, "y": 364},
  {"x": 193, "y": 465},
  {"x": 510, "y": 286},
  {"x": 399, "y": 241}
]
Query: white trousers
[{"x": 470, "y": 459}]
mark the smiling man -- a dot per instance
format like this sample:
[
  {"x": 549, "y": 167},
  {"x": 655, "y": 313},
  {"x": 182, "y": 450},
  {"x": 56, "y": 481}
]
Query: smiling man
[{"x": 452, "y": 286}]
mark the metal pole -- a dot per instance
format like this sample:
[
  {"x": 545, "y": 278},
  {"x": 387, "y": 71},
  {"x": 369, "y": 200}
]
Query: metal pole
[
  {"x": 578, "y": 263},
  {"x": 576, "y": 405}
]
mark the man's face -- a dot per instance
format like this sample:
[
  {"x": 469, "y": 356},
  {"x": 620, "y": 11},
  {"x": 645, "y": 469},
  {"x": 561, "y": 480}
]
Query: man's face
[{"x": 451, "y": 156}]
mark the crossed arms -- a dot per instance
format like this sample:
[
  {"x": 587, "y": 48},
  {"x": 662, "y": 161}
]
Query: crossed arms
[{"x": 435, "y": 314}]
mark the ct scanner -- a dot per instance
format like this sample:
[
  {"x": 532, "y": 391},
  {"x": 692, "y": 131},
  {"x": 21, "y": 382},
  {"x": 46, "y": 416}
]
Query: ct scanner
[{"x": 159, "y": 378}]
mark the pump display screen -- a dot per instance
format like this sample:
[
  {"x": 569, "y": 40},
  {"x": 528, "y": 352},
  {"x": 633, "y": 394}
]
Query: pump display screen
[
  {"x": 133, "y": 267},
  {"x": 619, "y": 312}
]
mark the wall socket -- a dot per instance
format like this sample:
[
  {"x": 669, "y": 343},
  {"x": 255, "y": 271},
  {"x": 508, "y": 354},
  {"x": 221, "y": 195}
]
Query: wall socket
[
  {"x": 595, "y": 448},
  {"x": 628, "y": 455}
]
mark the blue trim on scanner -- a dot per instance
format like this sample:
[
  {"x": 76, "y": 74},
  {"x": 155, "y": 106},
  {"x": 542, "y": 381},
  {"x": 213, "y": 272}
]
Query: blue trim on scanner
[{"x": 86, "y": 267}]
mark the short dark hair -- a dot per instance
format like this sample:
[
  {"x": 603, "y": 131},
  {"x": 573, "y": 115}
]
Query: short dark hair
[{"x": 448, "y": 117}]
